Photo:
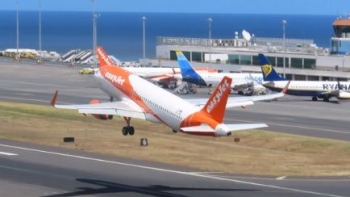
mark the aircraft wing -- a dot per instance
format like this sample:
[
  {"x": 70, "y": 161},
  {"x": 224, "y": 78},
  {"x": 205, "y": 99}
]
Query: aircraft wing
[
  {"x": 232, "y": 127},
  {"x": 118, "y": 108},
  {"x": 242, "y": 101},
  {"x": 238, "y": 101},
  {"x": 200, "y": 102},
  {"x": 158, "y": 78}
]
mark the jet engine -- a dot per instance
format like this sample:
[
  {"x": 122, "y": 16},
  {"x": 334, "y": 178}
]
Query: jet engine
[
  {"x": 100, "y": 116},
  {"x": 343, "y": 95}
]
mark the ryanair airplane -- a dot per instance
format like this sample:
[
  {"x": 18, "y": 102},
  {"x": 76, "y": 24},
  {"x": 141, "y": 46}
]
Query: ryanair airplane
[{"x": 316, "y": 89}]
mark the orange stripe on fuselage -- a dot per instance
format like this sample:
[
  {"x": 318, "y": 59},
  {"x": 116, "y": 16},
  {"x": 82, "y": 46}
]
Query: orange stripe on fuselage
[{"x": 197, "y": 119}]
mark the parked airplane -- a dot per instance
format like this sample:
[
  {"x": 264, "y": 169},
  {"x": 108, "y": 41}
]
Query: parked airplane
[
  {"x": 160, "y": 75},
  {"x": 240, "y": 82},
  {"x": 141, "y": 99},
  {"x": 315, "y": 89}
]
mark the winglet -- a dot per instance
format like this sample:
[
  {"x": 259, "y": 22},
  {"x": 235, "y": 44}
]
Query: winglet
[
  {"x": 285, "y": 89},
  {"x": 216, "y": 105},
  {"x": 103, "y": 57},
  {"x": 54, "y": 98}
]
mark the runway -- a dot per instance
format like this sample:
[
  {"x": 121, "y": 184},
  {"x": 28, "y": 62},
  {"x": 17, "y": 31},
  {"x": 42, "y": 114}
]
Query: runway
[
  {"x": 296, "y": 115},
  {"x": 34, "y": 170}
]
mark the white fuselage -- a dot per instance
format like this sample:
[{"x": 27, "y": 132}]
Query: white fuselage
[
  {"x": 151, "y": 72},
  {"x": 238, "y": 79},
  {"x": 307, "y": 88},
  {"x": 156, "y": 100}
]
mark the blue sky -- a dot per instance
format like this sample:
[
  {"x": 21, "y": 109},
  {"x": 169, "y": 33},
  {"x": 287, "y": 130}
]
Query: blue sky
[{"x": 312, "y": 7}]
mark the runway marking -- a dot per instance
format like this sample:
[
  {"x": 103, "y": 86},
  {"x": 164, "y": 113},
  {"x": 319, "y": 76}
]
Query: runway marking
[
  {"x": 8, "y": 154},
  {"x": 303, "y": 107},
  {"x": 27, "y": 99},
  {"x": 37, "y": 84},
  {"x": 207, "y": 172},
  {"x": 281, "y": 178},
  {"x": 311, "y": 128},
  {"x": 294, "y": 126},
  {"x": 172, "y": 171},
  {"x": 289, "y": 179},
  {"x": 22, "y": 99}
]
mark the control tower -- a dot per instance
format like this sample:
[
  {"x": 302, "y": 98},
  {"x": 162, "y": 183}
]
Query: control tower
[{"x": 340, "y": 42}]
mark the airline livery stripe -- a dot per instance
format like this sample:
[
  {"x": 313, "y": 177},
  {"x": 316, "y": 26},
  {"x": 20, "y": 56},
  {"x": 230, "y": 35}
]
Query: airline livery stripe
[{"x": 8, "y": 154}]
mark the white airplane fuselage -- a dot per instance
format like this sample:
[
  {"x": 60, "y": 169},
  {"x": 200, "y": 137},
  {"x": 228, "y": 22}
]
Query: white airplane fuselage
[
  {"x": 155, "y": 98},
  {"x": 308, "y": 88},
  {"x": 238, "y": 79}
]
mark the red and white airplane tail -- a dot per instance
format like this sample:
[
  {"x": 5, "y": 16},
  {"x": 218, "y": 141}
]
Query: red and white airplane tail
[
  {"x": 216, "y": 104},
  {"x": 103, "y": 58}
]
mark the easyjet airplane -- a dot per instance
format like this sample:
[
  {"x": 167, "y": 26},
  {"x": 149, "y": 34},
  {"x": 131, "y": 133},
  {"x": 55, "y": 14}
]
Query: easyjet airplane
[{"x": 141, "y": 99}]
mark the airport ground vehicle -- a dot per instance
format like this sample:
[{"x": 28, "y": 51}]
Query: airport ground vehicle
[{"x": 87, "y": 71}]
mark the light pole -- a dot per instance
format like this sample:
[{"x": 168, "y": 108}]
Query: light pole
[
  {"x": 284, "y": 47},
  {"x": 17, "y": 33},
  {"x": 94, "y": 34},
  {"x": 210, "y": 20},
  {"x": 144, "y": 37},
  {"x": 40, "y": 51}
]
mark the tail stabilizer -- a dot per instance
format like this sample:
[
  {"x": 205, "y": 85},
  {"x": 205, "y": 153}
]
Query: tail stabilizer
[
  {"x": 269, "y": 73},
  {"x": 189, "y": 74},
  {"x": 237, "y": 127},
  {"x": 103, "y": 58},
  {"x": 216, "y": 104}
]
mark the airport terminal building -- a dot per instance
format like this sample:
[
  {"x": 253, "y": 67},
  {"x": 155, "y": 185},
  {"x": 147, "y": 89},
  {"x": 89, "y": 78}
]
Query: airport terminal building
[{"x": 299, "y": 59}]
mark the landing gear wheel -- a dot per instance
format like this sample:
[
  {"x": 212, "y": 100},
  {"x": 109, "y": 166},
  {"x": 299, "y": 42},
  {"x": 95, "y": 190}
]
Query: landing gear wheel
[
  {"x": 326, "y": 99},
  {"x": 125, "y": 131},
  {"x": 174, "y": 131},
  {"x": 314, "y": 98},
  {"x": 131, "y": 130}
]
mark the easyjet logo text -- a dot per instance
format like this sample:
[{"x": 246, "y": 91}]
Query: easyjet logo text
[
  {"x": 216, "y": 99},
  {"x": 114, "y": 79},
  {"x": 104, "y": 57}
]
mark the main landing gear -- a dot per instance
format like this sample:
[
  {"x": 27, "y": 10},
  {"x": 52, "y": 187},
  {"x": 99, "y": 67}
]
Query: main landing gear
[
  {"x": 326, "y": 99},
  {"x": 128, "y": 130}
]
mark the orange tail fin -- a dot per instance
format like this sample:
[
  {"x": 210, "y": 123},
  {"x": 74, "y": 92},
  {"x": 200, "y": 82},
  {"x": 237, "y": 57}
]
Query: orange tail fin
[
  {"x": 216, "y": 105},
  {"x": 103, "y": 57}
]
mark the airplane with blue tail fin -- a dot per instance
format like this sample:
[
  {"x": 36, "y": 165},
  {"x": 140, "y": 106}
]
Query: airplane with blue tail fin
[
  {"x": 188, "y": 73},
  {"x": 240, "y": 81},
  {"x": 316, "y": 89},
  {"x": 269, "y": 74}
]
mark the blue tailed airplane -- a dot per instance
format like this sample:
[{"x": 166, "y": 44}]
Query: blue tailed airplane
[
  {"x": 315, "y": 89},
  {"x": 240, "y": 81}
]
